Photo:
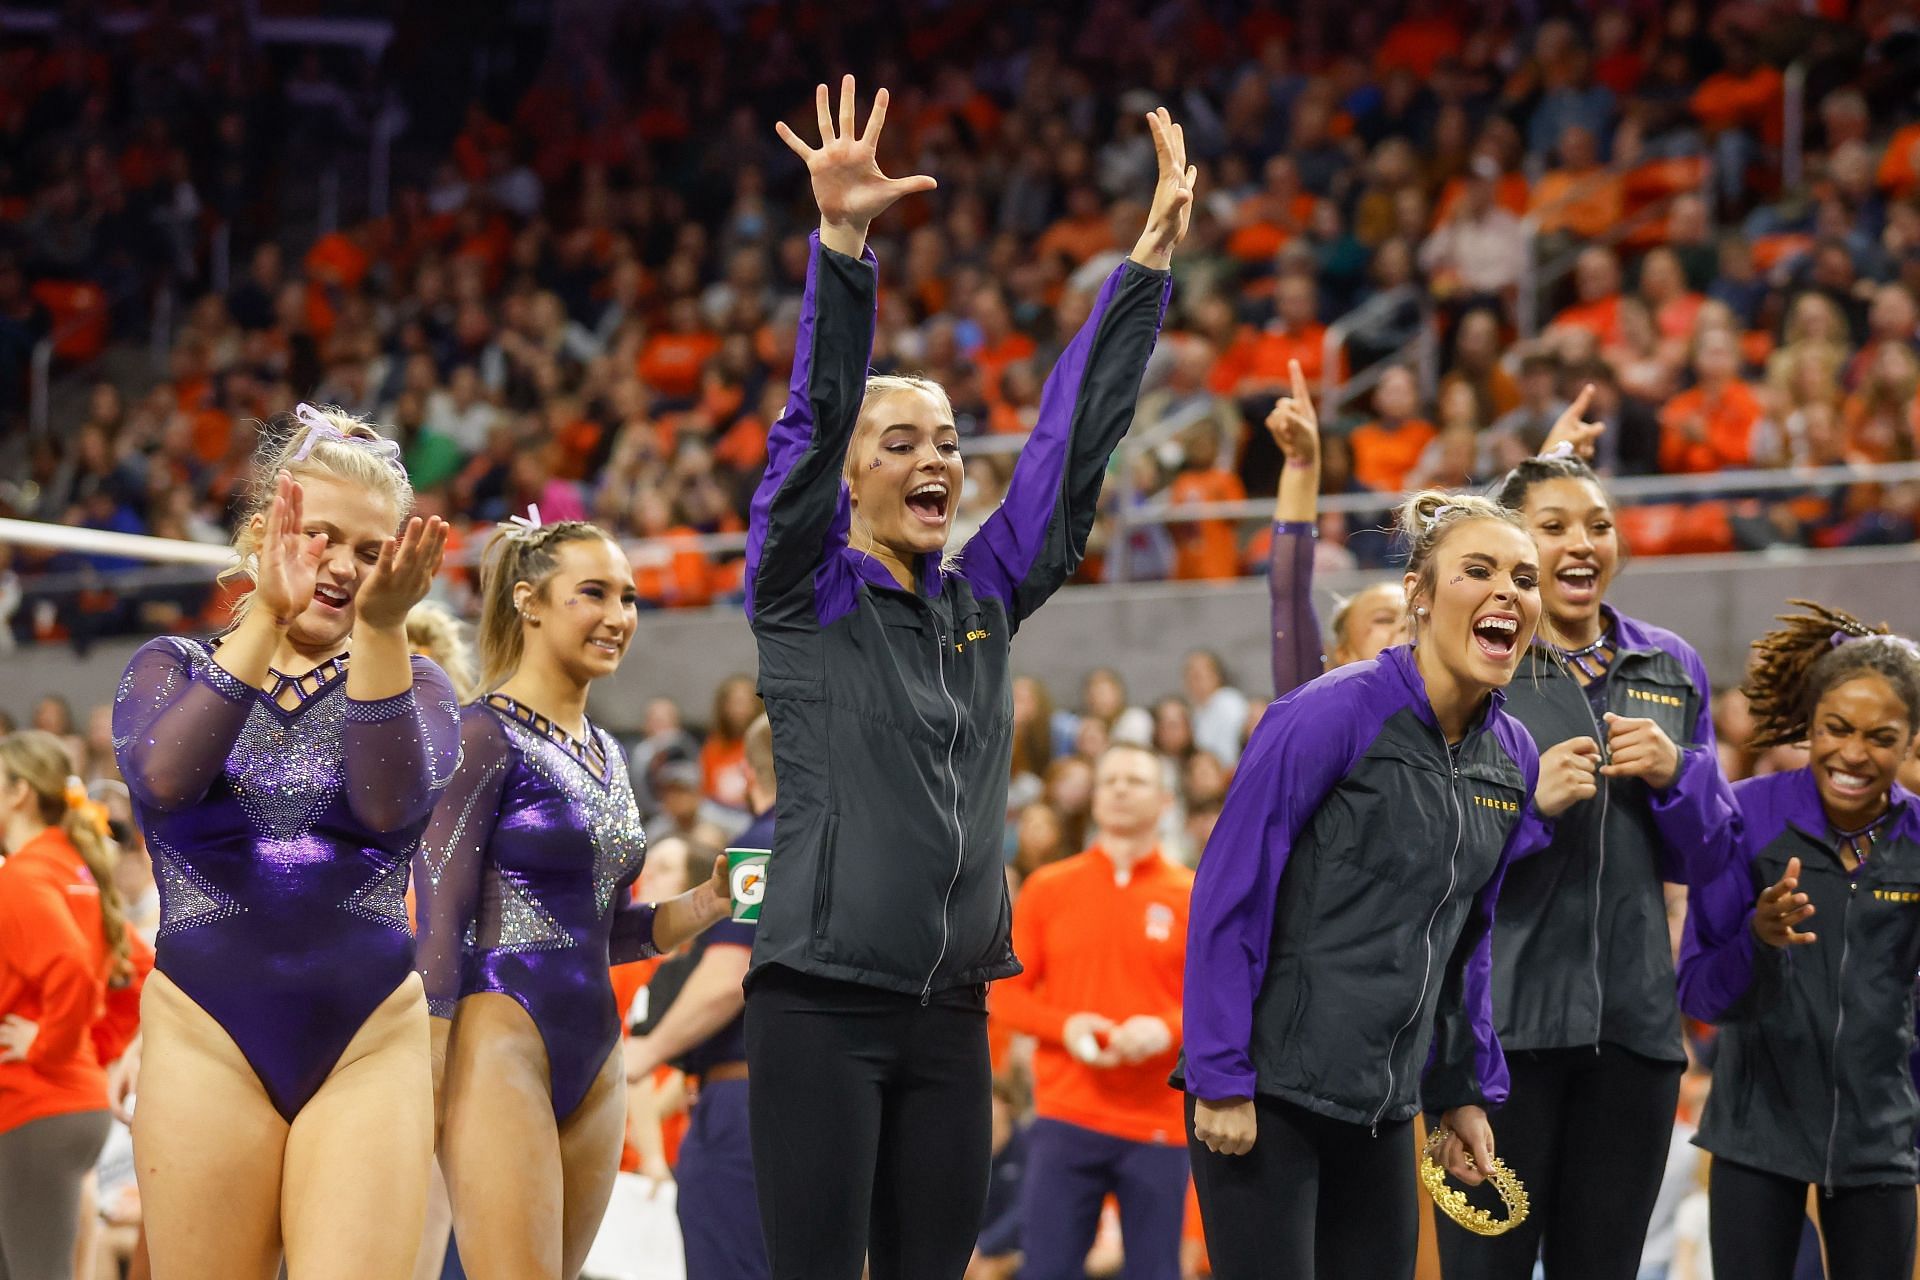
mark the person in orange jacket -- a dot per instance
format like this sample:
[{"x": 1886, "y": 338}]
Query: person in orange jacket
[
  {"x": 70, "y": 973},
  {"x": 1103, "y": 936}
]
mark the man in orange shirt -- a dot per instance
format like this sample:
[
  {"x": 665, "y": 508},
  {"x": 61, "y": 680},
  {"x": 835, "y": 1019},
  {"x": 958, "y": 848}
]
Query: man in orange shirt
[
  {"x": 1295, "y": 334},
  {"x": 1389, "y": 447},
  {"x": 1710, "y": 427},
  {"x": 1103, "y": 936}
]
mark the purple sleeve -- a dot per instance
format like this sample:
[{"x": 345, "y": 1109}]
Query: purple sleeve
[
  {"x": 1297, "y": 656},
  {"x": 453, "y": 854},
  {"x": 1299, "y": 752},
  {"x": 632, "y": 937},
  {"x": 402, "y": 751},
  {"x": 798, "y": 516},
  {"x": 1695, "y": 816},
  {"x": 176, "y": 716},
  {"x": 1719, "y": 956},
  {"x": 1036, "y": 539}
]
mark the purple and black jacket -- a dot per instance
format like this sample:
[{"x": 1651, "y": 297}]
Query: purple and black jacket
[
  {"x": 1338, "y": 944},
  {"x": 1582, "y": 952},
  {"x": 892, "y": 709},
  {"x": 1811, "y": 1080}
]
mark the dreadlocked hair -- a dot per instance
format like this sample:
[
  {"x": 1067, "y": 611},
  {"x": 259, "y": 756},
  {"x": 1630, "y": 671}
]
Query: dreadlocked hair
[
  {"x": 1795, "y": 664},
  {"x": 512, "y": 556}
]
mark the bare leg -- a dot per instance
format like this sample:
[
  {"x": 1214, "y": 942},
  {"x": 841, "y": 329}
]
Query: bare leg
[
  {"x": 354, "y": 1197},
  {"x": 433, "y": 1241},
  {"x": 500, "y": 1146},
  {"x": 590, "y": 1160},
  {"x": 207, "y": 1147}
]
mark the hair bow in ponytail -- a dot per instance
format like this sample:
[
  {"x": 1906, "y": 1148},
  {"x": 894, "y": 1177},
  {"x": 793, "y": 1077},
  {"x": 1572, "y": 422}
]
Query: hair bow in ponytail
[
  {"x": 320, "y": 427},
  {"x": 90, "y": 810}
]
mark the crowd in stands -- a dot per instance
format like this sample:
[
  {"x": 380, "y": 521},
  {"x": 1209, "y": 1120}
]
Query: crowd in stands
[{"x": 586, "y": 299}]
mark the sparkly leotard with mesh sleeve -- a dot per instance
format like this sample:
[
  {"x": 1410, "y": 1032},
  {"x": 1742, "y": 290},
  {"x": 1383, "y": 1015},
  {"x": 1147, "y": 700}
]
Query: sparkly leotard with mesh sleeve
[
  {"x": 281, "y": 841},
  {"x": 524, "y": 876}
]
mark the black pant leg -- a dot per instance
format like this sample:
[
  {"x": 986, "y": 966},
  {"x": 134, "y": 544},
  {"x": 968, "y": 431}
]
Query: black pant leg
[
  {"x": 1754, "y": 1221},
  {"x": 1617, "y": 1126},
  {"x": 1527, "y": 1134},
  {"x": 1258, "y": 1209},
  {"x": 1869, "y": 1233},
  {"x": 1367, "y": 1217},
  {"x": 818, "y": 1058},
  {"x": 936, "y": 1145}
]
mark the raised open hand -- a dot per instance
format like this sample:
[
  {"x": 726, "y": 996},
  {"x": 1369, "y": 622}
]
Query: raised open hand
[
  {"x": 403, "y": 574},
  {"x": 1294, "y": 424},
  {"x": 848, "y": 186},
  {"x": 286, "y": 567},
  {"x": 1172, "y": 194}
]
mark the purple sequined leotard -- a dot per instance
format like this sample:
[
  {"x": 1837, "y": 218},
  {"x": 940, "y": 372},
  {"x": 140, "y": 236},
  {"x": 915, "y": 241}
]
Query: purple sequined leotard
[
  {"x": 524, "y": 878},
  {"x": 281, "y": 841}
]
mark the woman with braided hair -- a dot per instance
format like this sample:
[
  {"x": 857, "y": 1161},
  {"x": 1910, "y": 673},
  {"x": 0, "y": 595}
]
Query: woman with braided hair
[
  {"x": 524, "y": 877},
  {"x": 70, "y": 975},
  {"x": 1811, "y": 1084}
]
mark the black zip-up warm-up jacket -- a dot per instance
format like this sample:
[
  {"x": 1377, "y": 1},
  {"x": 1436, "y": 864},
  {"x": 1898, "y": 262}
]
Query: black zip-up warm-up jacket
[
  {"x": 1581, "y": 951},
  {"x": 1811, "y": 1080},
  {"x": 892, "y": 709},
  {"x": 1337, "y": 947}
]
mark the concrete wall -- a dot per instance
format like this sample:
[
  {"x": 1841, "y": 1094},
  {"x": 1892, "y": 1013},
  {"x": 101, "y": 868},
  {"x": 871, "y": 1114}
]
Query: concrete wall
[{"x": 1720, "y": 603}]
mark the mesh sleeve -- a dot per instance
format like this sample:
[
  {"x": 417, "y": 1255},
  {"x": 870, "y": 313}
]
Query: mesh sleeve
[
  {"x": 176, "y": 716},
  {"x": 447, "y": 869},
  {"x": 402, "y": 751}
]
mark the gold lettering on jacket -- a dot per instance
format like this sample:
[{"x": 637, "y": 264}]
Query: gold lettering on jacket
[
  {"x": 1896, "y": 895},
  {"x": 1504, "y": 806},
  {"x": 1663, "y": 699}
]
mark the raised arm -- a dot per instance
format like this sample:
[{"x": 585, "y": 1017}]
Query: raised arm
[
  {"x": 1297, "y": 653},
  {"x": 1738, "y": 940},
  {"x": 799, "y": 513},
  {"x": 453, "y": 854},
  {"x": 401, "y": 750},
  {"x": 1034, "y": 542}
]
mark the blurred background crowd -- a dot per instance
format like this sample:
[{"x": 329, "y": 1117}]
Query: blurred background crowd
[{"x": 562, "y": 260}]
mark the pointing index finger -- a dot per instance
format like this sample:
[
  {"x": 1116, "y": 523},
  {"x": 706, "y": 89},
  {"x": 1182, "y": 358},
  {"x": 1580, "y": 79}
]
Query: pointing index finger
[{"x": 1299, "y": 381}]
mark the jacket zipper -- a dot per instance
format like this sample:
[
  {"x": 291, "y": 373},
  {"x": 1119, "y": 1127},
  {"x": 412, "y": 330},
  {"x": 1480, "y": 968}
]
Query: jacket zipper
[
  {"x": 1426, "y": 970},
  {"x": 1600, "y": 863},
  {"x": 959, "y": 833},
  {"x": 1839, "y": 1021}
]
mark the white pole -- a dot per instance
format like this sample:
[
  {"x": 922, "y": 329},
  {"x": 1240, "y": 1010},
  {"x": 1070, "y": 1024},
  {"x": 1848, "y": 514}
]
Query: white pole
[{"x": 65, "y": 537}]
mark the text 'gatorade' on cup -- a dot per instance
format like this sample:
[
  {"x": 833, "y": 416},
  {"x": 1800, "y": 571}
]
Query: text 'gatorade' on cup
[{"x": 747, "y": 881}]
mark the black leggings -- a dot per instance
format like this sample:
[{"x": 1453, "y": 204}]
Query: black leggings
[
  {"x": 1754, "y": 1220},
  {"x": 1314, "y": 1198},
  {"x": 872, "y": 1126},
  {"x": 1587, "y": 1132},
  {"x": 42, "y": 1166}
]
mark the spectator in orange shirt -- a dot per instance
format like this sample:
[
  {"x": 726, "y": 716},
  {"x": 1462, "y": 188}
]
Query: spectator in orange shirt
[
  {"x": 1083, "y": 232},
  {"x": 1295, "y": 334},
  {"x": 1205, "y": 548},
  {"x": 1899, "y": 170},
  {"x": 1674, "y": 307},
  {"x": 670, "y": 363},
  {"x": 723, "y": 757},
  {"x": 1710, "y": 427},
  {"x": 1596, "y": 282},
  {"x": 1387, "y": 448},
  {"x": 1892, "y": 319},
  {"x": 1880, "y": 416},
  {"x": 1476, "y": 362},
  {"x": 1266, "y": 220},
  {"x": 1000, "y": 343},
  {"x": 1739, "y": 107},
  {"x": 1582, "y": 198},
  {"x": 70, "y": 976},
  {"x": 1103, "y": 937}
]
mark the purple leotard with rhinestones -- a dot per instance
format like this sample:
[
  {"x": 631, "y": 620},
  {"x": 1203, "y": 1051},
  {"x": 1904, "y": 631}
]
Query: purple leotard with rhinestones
[
  {"x": 524, "y": 876},
  {"x": 281, "y": 841}
]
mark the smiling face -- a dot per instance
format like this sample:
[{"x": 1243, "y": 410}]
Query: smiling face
[
  {"x": 583, "y": 617},
  {"x": 356, "y": 523},
  {"x": 904, "y": 471},
  {"x": 1860, "y": 735},
  {"x": 1573, "y": 527},
  {"x": 1375, "y": 620},
  {"x": 1483, "y": 604}
]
